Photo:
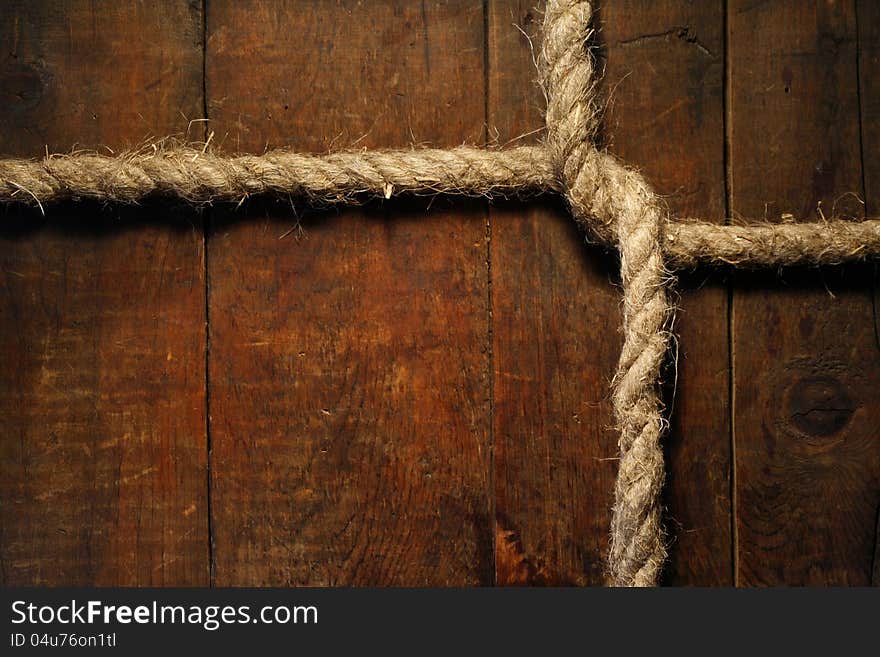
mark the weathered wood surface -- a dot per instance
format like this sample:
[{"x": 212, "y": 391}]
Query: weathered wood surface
[
  {"x": 102, "y": 334},
  {"x": 806, "y": 357},
  {"x": 552, "y": 302},
  {"x": 404, "y": 395},
  {"x": 868, "y": 16},
  {"x": 349, "y": 359}
]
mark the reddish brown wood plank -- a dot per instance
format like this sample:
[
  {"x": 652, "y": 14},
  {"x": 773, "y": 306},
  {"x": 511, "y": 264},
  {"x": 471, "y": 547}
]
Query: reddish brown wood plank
[
  {"x": 101, "y": 326},
  {"x": 555, "y": 345},
  {"x": 349, "y": 363},
  {"x": 665, "y": 80},
  {"x": 556, "y": 309},
  {"x": 806, "y": 361}
]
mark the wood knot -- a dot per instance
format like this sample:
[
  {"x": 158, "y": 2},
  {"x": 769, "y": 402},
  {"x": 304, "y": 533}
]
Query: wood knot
[
  {"x": 815, "y": 401},
  {"x": 818, "y": 406}
]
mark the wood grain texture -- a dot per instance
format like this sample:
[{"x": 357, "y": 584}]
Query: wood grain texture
[
  {"x": 417, "y": 395},
  {"x": 868, "y": 15},
  {"x": 553, "y": 303},
  {"x": 349, "y": 387},
  {"x": 806, "y": 359},
  {"x": 665, "y": 82},
  {"x": 101, "y": 311}
]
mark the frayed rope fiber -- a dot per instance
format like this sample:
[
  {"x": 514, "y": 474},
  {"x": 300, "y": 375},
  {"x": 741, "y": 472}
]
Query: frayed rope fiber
[
  {"x": 200, "y": 176},
  {"x": 611, "y": 202}
]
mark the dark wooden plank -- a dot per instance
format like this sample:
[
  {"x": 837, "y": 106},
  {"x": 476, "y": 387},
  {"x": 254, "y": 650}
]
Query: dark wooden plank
[
  {"x": 868, "y": 14},
  {"x": 806, "y": 362},
  {"x": 665, "y": 81},
  {"x": 555, "y": 313},
  {"x": 102, "y": 337},
  {"x": 349, "y": 363},
  {"x": 553, "y": 354}
]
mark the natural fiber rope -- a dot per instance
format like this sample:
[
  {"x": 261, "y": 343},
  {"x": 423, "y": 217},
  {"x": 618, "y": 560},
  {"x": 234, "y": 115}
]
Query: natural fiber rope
[
  {"x": 596, "y": 187},
  {"x": 613, "y": 204},
  {"x": 204, "y": 177}
]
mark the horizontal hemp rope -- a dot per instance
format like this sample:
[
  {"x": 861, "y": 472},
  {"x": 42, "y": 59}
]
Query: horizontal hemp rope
[
  {"x": 611, "y": 202},
  {"x": 202, "y": 177},
  {"x": 354, "y": 177}
]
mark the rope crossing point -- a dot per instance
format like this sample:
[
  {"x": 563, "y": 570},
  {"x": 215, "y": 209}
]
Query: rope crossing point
[{"x": 612, "y": 203}]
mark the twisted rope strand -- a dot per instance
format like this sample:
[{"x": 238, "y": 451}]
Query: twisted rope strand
[
  {"x": 637, "y": 540},
  {"x": 615, "y": 204},
  {"x": 202, "y": 177},
  {"x": 687, "y": 245}
]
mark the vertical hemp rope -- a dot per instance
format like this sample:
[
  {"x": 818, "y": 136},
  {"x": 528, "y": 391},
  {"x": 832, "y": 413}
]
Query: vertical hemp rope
[{"x": 615, "y": 203}]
